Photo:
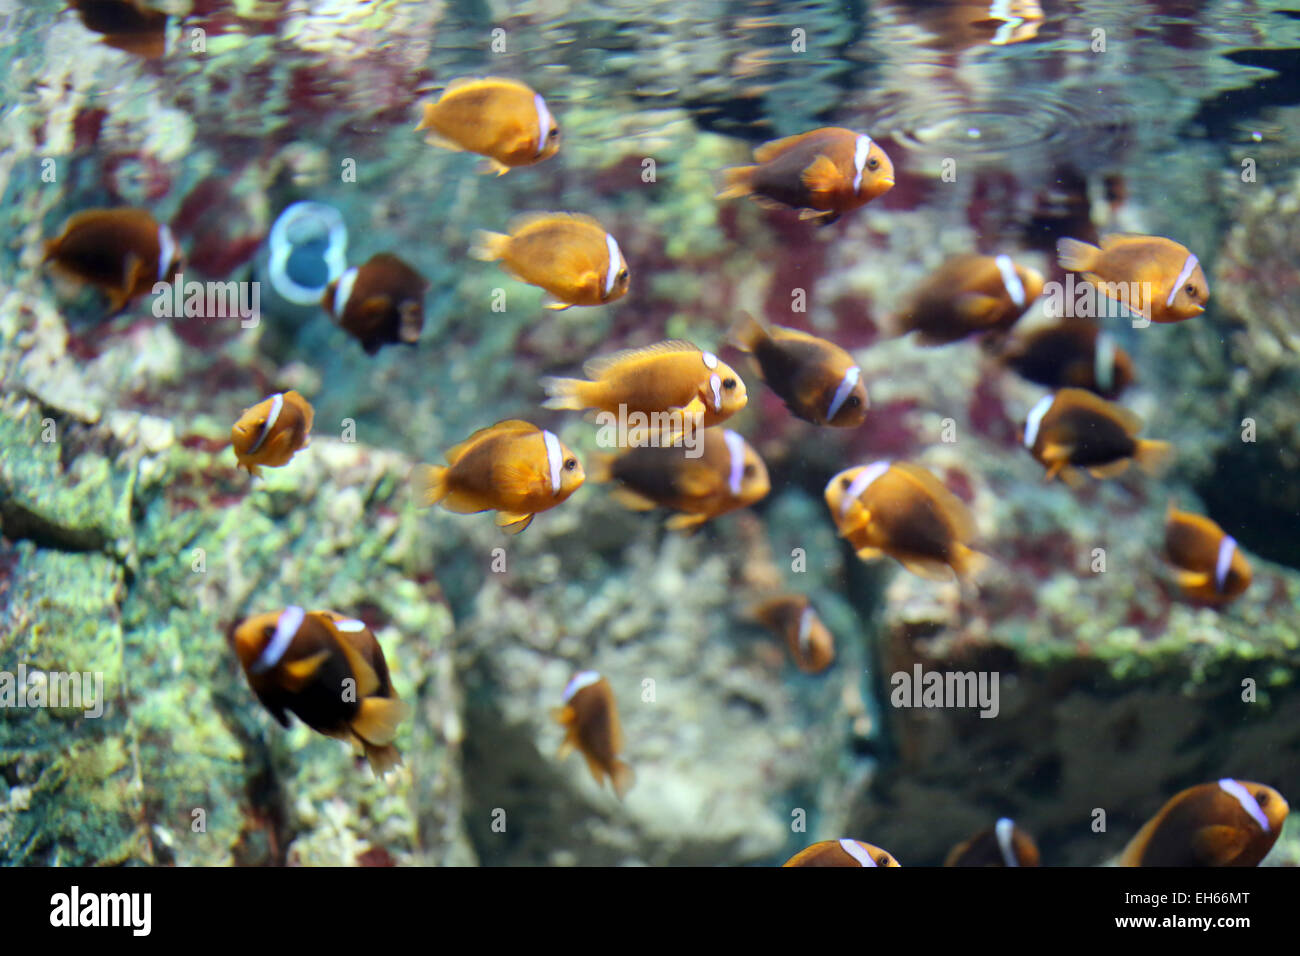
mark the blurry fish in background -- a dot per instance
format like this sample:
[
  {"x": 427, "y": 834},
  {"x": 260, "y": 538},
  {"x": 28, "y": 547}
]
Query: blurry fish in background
[
  {"x": 791, "y": 617},
  {"x": 823, "y": 173},
  {"x": 724, "y": 475},
  {"x": 306, "y": 251},
  {"x": 666, "y": 376},
  {"x": 503, "y": 120},
  {"x": 329, "y": 671},
  {"x": 1061, "y": 209},
  {"x": 1075, "y": 429},
  {"x": 1154, "y": 277},
  {"x": 842, "y": 853},
  {"x": 818, "y": 381},
  {"x": 957, "y": 25},
  {"x": 590, "y": 721},
  {"x": 271, "y": 432},
  {"x": 123, "y": 251},
  {"x": 568, "y": 255},
  {"x": 1073, "y": 353},
  {"x": 512, "y": 467},
  {"x": 1211, "y": 568},
  {"x": 1228, "y": 823},
  {"x": 900, "y": 510},
  {"x": 379, "y": 303},
  {"x": 128, "y": 25},
  {"x": 1003, "y": 844},
  {"x": 968, "y": 295}
]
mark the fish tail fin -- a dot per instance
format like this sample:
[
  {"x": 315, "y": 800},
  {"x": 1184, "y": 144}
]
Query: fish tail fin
[
  {"x": 426, "y": 117},
  {"x": 1076, "y": 256},
  {"x": 736, "y": 181},
  {"x": 622, "y": 777},
  {"x": 431, "y": 483},
  {"x": 1154, "y": 457},
  {"x": 564, "y": 393},
  {"x": 747, "y": 332},
  {"x": 382, "y": 759},
  {"x": 488, "y": 246},
  {"x": 377, "y": 719},
  {"x": 599, "y": 467},
  {"x": 968, "y": 562}
]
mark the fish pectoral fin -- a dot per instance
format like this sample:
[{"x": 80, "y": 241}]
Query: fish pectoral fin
[
  {"x": 490, "y": 167},
  {"x": 1072, "y": 477},
  {"x": 869, "y": 553},
  {"x": 1219, "y": 844},
  {"x": 928, "y": 568},
  {"x": 685, "y": 523},
  {"x": 821, "y": 175},
  {"x": 555, "y": 305},
  {"x": 598, "y": 772},
  {"x": 856, "y": 520},
  {"x": 299, "y": 673},
  {"x": 512, "y": 523},
  {"x": 1111, "y": 470},
  {"x": 974, "y": 307},
  {"x": 1192, "y": 580},
  {"x": 442, "y": 142},
  {"x": 376, "y": 722},
  {"x": 631, "y": 500},
  {"x": 365, "y": 676},
  {"x": 563, "y": 715}
]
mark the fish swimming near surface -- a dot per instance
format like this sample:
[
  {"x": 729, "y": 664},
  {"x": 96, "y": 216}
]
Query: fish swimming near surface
[
  {"x": 1075, "y": 429},
  {"x": 1003, "y": 844},
  {"x": 901, "y": 510},
  {"x": 824, "y": 173},
  {"x": 1211, "y": 568},
  {"x": 380, "y": 302},
  {"x": 123, "y": 251},
  {"x": 969, "y": 295},
  {"x": 330, "y": 672},
  {"x": 590, "y": 721},
  {"x": 818, "y": 381},
  {"x": 842, "y": 853},
  {"x": 271, "y": 432},
  {"x": 1152, "y": 276},
  {"x": 504, "y": 120},
  {"x": 128, "y": 25},
  {"x": 1073, "y": 353},
  {"x": 1228, "y": 823},
  {"x": 792, "y": 618},
  {"x": 512, "y": 467},
  {"x": 722, "y": 476},
  {"x": 569, "y": 256}
]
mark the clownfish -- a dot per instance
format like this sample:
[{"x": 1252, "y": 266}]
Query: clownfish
[
  {"x": 969, "y": 295},
  {"x": 569, "y": 256},
  {"x": 666, "y": 376},
  {"x": 1074, "y": 429},
  {"x": 792, "y": 618},
  {"x": 842, "y": 853},
  {"x": 1211, "y": 568},
  {"x": 1154, "y": 277},
  {"x": 379, "y": 303},
  {"x": 1003, "y": 844},
  {"x": 128, "y": 25},
  {"x": 590, "y": 721},
  {"x": 272, "y": 431},
  {"x": 503, "y": 120},
  {"x": 1228, "y": 823},
  {"x": 700, "y": 483},
  {"x": 901, "y": 510},
  {"x": 330, "y": 672},
  {"x": 818, "y": 381},
  {"x": 512, "y": 467},
  {"x": 123, "y": 251},
  {"x": 823, "y": 173},
  {"x": 1074, "y": 353}
]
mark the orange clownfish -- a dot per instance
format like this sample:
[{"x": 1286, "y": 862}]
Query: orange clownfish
[
  {"x": 1211, "y": 568},
  {"x": 1076, "y": 429},
  {"x": 590, "y": 721},
  {"x": 569, "y": 256},
  {"x": 128, "y": 25},
  {"x": 792, "y": 618},
  {"x": 380, "y": 302},
  {"x": 329, "y": 671},
  {"x": 1154, "y": 277},
  {"x": 1003, "y": 844},
  {"x": 823, "y": 173},
  {"x": 901, "y": 510},
  {"x": 124, "y": 251},
  {"x": 272, "y": 431},
  {"x": 512, "y": 467},
  {"x": 1228, "y": 823},
  {"x": 842, "y": 853},
  {"x": 969, "y": 295},
  {"x": 1074, "y": 353},
  {"x": 504, "y": 120}
]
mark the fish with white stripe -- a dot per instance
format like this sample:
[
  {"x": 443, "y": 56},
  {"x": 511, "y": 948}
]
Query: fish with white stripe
[
  {"x": 271, "y": 432},
  {"x": 1225, "y": 823},
  {"x": 842, "y": 853},
  {"x": 968, "y": 295},
  {"x": 1075, "y": 430},
  {"x": 504, "y": 120},
  {"x": 1210, "y": 566},
  {"x": 1155, "y": 277},
  {"x": 1003, "y": 844},
  {"x": 792, "y": 618},
  {"x": 569, "y": 256}
]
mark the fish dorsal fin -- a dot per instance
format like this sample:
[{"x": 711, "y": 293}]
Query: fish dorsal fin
[
  {"x": 770, "y": 151},
  {"x": 521, "y": 222},
  {"x": 952, "y": 505},
  {"x": 367, "y": 679},
  {"x": 822, "y": 175},
  {"x": 1131, "y": 420},
  {"x": 512, "y": 426},
  {"x": 1218, "y": 844},
  {"x": 463, "y": 83},
  {"x": 597, "y": 367},
  {"x": 1118, "y": 238}
]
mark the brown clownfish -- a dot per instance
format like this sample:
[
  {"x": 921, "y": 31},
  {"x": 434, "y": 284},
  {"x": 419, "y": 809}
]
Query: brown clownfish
[
  {"x": 842, "y": 853},
  {"x": 672, "y": 376},
  {"x": 123, "y": 251},
  {"x": 503, "y": 120},
  {"x": 823, "y": 173},
  {"x": 818, "y": 381},
  {"x": 272, "y": 431},
  {"x": 1074, "y": 353},
  {"x": 1003, "y": 844},
  {"x": 792, "y": 618},
  {"x": 330, "y": 672},
  {"x": 569, "y": 256},
  {"x": 1228, "y": 823},
  {"x": 128, "y": 25},
  {"x": 512, "y": 467},
  {"x": 380, "y": 302},
  {"x": 1074, "y": 428},
  {"x": 899, "y": 509},
  {"x": 1152, "y": 276},
  {"x": 1211, "y": 568},
  {"x": 969, "y": 295},
  {"x": 701, "y": 478},
  {"x": 590, "y": 721}
]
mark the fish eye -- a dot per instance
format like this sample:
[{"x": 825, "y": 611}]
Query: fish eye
[
  {"x": 622, "y": 275},
  {"x": 268, "y": 632},
  {"x": 882, "y": 860},
  {"x": 749, "y": 471},
  {"x": 844, "y": 483},
  {"x": 570, "y": 464},
  {"x": 1191, "y": 291},
  {"x": 1262, "y": 799},
  {"x": 729, "y": 383},
  {"x": 853, "y": 401},
  {"x": 873, "y": 163}
]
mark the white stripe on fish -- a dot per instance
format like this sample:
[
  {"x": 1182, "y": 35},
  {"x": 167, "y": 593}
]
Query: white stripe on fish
[
  {"x": 554, "y": 458},
  {"x": 847, "y": 384},
  {"x": 1010, "y": 280},
  {"x": 1188, "y": 267},
  {"x": 286, "y": 628},
  {"x": 277, "y": 403},
  {"x": 1035, "y": 419}
]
